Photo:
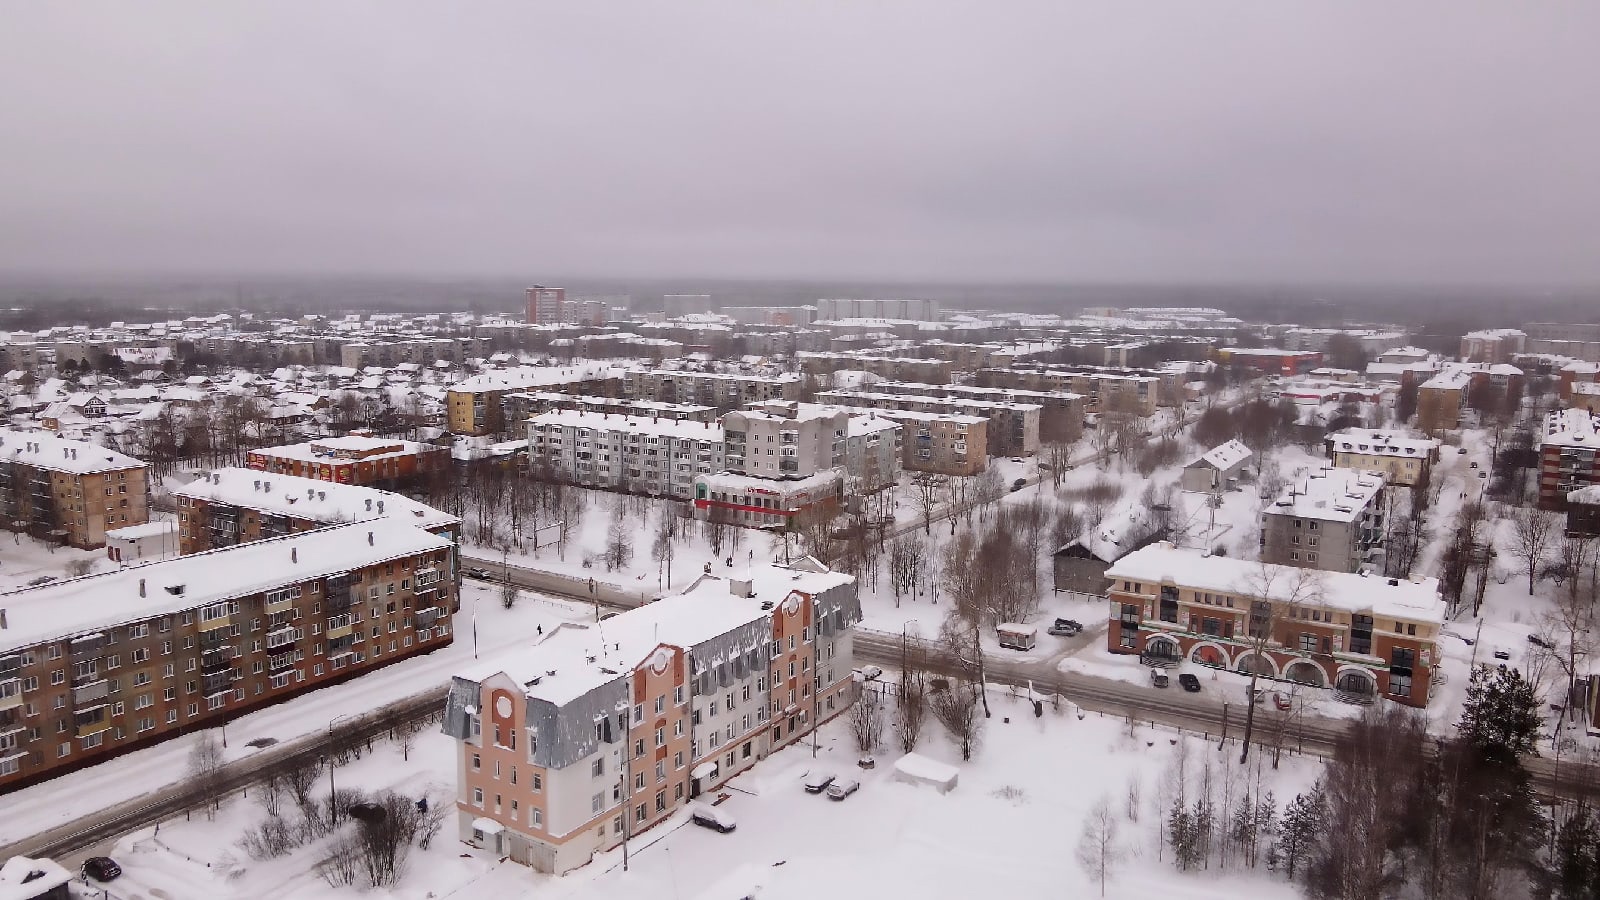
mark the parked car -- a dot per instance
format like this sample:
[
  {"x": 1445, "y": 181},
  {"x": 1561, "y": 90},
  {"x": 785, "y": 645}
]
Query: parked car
[
  {"x": 1016, "y": 459},
  {"x": 1159, "y": 678},
  {"x": 842, "y": 789},
  {"x": 870, "y": 673},
  {"x": 1502, "y": 654},
  {"x": 1019, "y": 484},
  {"x": 101, "y": 868},
  {"x": 1461, "y": 451},
  {"x": 1256, "y": 695},
  {"x": 1189, "y": 683},
  {"x": 1066, "y": 627},
  {"x": 476, "y": 572},
  {"x": 1482, "y": 474},
  {"x": 818, "y": 781},
  {"x": 1281, "y": 701},
  {"x": 1473, "y": 464},
  {"x": 707, "y": 816}
]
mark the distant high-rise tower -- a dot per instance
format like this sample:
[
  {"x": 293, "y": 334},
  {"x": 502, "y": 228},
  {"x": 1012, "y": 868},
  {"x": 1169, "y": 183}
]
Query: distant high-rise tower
[{"x": 546, "y": 305}]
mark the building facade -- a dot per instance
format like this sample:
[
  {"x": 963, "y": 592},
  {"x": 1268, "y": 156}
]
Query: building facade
[
  {"x": 594, "y": 735},
  {"x": 353, "y": 459},
  {"x": 655, "y": 457},
  {"x": 546, "y": 305},
  {"x": 1568, "y": 457},
  {"x": 1365, "y": 638},
  {"x": 1403, "y": 460},
  {"x": 101, "y": 665},
  {"x": 230, "y": 506},
  {"x": 69, "y": 491},
  {"x": 1331, "y": 520}
]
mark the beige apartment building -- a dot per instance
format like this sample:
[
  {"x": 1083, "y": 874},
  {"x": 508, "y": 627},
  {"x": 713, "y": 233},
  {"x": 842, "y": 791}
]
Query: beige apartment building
[
  {"x": 1402, "y": 459},
  {"x": 598, "y": 733},
  {"x": 69, "y": 491}
]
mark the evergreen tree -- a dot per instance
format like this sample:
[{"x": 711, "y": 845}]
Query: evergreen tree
[
  {"x": 1182, "y": 836},
  {"x": 1500, "y": 721},
  {"x": 1205, "y": 825},
  {"x": 1266, "y": 823},
  {"x": 1575, "y": 870},
  {"x": 1300, "y": 830}
]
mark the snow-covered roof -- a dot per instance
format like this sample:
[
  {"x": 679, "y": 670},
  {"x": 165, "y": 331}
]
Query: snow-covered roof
[
  {"x": 733, "y": 481},
  {"x": 1329, "y": 494},
  {"x": 22, "y": 878},
  {"x": 309, "y": 498},
  {"x": 1382, "y": 443},
  {"x": 1417, "y": 599},
  {"x": 350, "y": 446},
  {"x": 1449, "y": 379},
  {"x": 46, "y": 451},
  {"x": 1224, "y": 457},
  {"x": 655, "y": 427},
  {"x": 95, "y": 602},
  {"x": 1588, "y": 496},
  {"x": 525, "y": 377},
  {"x": 144, "y": 530},
  {"x": 1574, "y": 427},
  {"x": 574, "y": 659}
]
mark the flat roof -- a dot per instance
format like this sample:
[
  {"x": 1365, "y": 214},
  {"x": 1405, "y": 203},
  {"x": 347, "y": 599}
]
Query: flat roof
[
  {"x": 305, "y": 452},
  {"x": 309, "y": 498},
  {"x": 1329, "y": 494},
  {"x": 632, "y": 424},
  {"x": 44, "y": 450},
  {"x": 96, "y": 602},
  {"x": 1162, "y": 563}
]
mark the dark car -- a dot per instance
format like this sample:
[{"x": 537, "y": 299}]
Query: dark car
[
  {"x": 818, "y": 781},
  {"x": 1019, "y": 484},
  {"x": 713, "y": 818},
  {"x": 475, "y": 572},
  {"x": 1189, "y": 683},
  {"x": 101, "y": 868},
  {"x": 1066, "y": 627}
]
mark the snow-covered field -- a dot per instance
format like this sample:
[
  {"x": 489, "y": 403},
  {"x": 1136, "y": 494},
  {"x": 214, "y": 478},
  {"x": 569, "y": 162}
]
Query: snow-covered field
[{"x": 1008, "y": 830}]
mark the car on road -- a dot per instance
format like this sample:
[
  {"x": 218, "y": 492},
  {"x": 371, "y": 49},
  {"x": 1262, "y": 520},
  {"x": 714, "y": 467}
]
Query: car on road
[
  {"x": 1281, "y": 701},
  {"x": 1461, "y": 451},
  {"x": 1019, "y": 484},
  {"x": 842, "y": 789},
  {"x": 1189, "y": 683},
  {"x": 1017, "y": 459},
  {"x": 1482, "y": 474},
  {"x": 818, "y": 781},
  {"x": 1473, "y": 464},
  {"x": 1066, "y": 628},
  {"x": 1256, "y": 695},
  {"x": 707, "y": 816},
  {"x": 101, "y": 868},
  {"x": 870, "y": 673},
  {"x": 1159, "y": 678},
  {"x": 476, "y": 572}
]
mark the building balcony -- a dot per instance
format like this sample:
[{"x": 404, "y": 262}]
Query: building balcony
[
  {"x": 88, "y": 693},
  {"x": 280, "y": 606},
  {"x": 93, "y": 720},
  {"x": 213, "y": 625},
  {"x": 217, "y": 682},
  {"x": 10, "y": 693},
  {"x": 216, "y": 660}
]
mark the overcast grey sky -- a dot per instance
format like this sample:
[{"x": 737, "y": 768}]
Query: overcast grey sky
[{"x": 931, "y": 140}]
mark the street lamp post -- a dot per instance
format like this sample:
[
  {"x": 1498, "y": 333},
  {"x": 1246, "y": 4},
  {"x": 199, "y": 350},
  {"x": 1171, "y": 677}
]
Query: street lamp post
[{"x": 333, "y": 793}]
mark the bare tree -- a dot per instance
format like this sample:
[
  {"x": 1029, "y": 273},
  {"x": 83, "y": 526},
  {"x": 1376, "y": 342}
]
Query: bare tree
[
  {"x": 205, "y": 769},
  {"x": 905, "y": 565},
  {"x": 619, "y": 546},
  {"x": 1569, "y": 627},
  {"x": 665, "y": 546},
  {"x": 1275, "y": 594},
  {"x": 1532, "y": 531},
  {"x": 866, "y": 722},
  {"x": 930, "y": 493},
  {"x": 1098, "y": 850},
  {"x": 956, "y": 706},
  {"x": 913, "y": 696}
]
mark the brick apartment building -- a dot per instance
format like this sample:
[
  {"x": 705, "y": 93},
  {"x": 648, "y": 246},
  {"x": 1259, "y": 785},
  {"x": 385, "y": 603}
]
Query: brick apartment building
[
  {"x": 101, "y": 665},
  {"x": 1060, "y": 412},
  {"x": 69, "y": 491},
  {"x": 1103, "y": 390},
  {"x": 1568, "y": 458},
  {"x": 723, "y": 390},
  {"x": 231, "y": 506},
  {"x": 1013, "y": 427},
  {"x": 354, "y": 459},
  {"x": 1496, "y": 345},
  {"x": 595, "y": 734},
  {"x": 546, "y": 305},
  {"x": 1364, "y": 637}
]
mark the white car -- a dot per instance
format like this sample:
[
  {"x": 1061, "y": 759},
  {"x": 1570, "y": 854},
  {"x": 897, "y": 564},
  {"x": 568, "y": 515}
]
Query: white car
[
  {"x": 708, "y": 816},
  {"x": 842, "y": 789},
  {"x": 818, "y": 781}
]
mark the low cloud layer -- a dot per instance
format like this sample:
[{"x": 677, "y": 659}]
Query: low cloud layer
[{"x": 925, "y": 140}]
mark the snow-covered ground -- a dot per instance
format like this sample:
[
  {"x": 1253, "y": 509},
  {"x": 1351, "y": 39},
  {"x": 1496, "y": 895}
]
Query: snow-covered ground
[{"x": 1008, "y": 829}]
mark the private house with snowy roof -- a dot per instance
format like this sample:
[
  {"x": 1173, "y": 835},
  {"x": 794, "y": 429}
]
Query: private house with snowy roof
[{"x": 1217, "y": 467}]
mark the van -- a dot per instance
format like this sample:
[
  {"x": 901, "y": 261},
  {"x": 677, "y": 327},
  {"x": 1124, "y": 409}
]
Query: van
[{"x": 1017, "y": 637}]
